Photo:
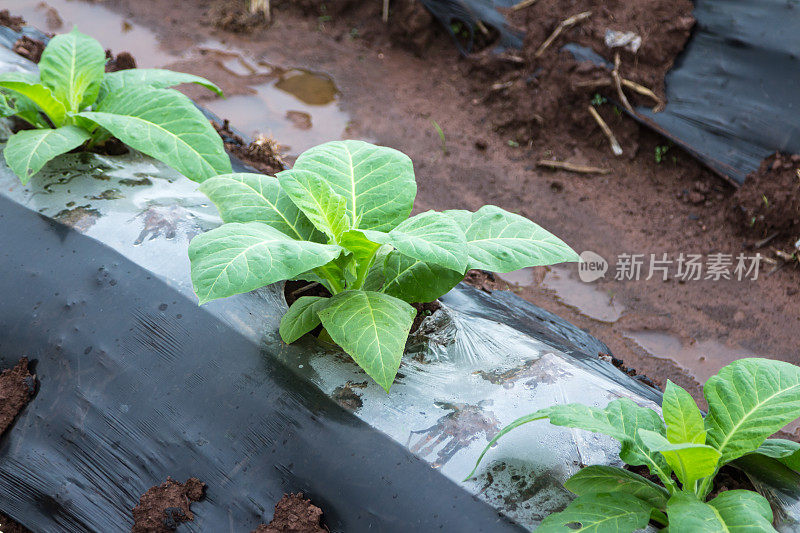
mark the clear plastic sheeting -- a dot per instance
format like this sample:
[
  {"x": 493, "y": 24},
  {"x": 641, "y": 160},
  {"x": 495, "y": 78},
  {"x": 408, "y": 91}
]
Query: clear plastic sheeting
[{"x": 474, "y": 366}]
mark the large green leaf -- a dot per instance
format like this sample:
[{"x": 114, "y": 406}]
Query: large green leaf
[
  {"x": 748, "y": 401},
  {"x": 372, "y": 327},
  {"x": 785, "y": 451},
  {"x": 377, "y": 182},
  {"x": 301, "y": 317},
  {"x": 430, "y": 237},
  {"x": 29, "y": 87},
  {"x": 739, "y": 511},
  {"x": 149, "y": 77},
  {"x": 501, "y": 241},
  {"x": 621, "y": 419},
  {"x": 236, "y": 258},
  {"x": 27, "y": 151},
  {"x": 72, "y": 66},
  {"x": 416, "y": 281},
  {"x": 166, "y": 125},
  {"x": 682, "y": 416},
  {"x": 326, "y": 209},
  {"x": 24, "y": 108},
  {"x": 245, "y": 197},
  {"x": 601, "y": 478},
  {"x": 688, "y": 460},
  {"x": 599, "y": 513}
]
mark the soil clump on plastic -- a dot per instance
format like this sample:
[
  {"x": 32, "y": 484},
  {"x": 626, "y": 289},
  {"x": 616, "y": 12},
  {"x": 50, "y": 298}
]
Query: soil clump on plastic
[
  {"x": 162, "y": 508},
  {"x": 294, "y": 514}
]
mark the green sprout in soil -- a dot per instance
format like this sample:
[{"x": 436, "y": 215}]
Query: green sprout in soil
[
  {"x": 661, "y": 152},
  {"x": 340, "y": 218},
  {"x": 513, "y": 144},
  {"x": 598, "y": 100},
  {"x": 72, "y": 102},
  {"x": 442, "y": 139},
  {"x": 748, "y": 401}
]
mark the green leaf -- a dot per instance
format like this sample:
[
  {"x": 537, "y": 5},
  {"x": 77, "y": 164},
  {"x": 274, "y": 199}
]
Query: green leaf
[
  {"x": 72, "y": 66},
  {"x": 372, "y": 327},
  {"x": 326, "y": 209},
  {"x": 601, "y": 478},
  {"x": 29, "y": 87},
  {"x": 785, "y": 451},
  {"x": 166, "y": 125},
  {"x": 684, "y": 420},
  {"x": 244, "y": 197},
  {"x": 748, "y": 401},
  {"x": 27, "y": 151},
  {"x": 150, "y": 77},
  {"x": 363, "y": 251},
  {"x": 377, "y": 182},
  {"x": 501, "y": 241},
  {"x": 621, "y": 419},
  {"x": 236, "y": 258},
  {"x": 689, "y": 461},
  {"x": 415, "y": 281},
  {"x": 301, "y": 317},
  {"x": 599, "y": 513},
  {"x": 740, "y": 511},
  {"x": 430, "y": 237}
]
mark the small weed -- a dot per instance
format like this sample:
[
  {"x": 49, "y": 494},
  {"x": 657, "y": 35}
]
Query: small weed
[
  {"x": 599, "y": 100},
  {"x": 441, "y": 136},
  {"x": 661, "y": 151},
  {"x": 513, "y": 144}
]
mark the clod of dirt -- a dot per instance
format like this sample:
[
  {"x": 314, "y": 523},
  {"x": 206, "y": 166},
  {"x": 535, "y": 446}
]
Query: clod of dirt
[
  {"x": 161, "y": 509},
  {"x": 122, "y": 61},
  {"x": 484, "y": 280},
  {"x": 9, "y": 526},
  {"x": 347, "y": 397},
  {"x": 769, "y": 200},
  {"x": 235, "y": 17},
  {"x": 293, "y": 513},
  {"x": 10, "y": 21},
  {"x": 17, "y": 386},
  {"x": 29, "y": 48},
  {"x": 261, "y": 154}
]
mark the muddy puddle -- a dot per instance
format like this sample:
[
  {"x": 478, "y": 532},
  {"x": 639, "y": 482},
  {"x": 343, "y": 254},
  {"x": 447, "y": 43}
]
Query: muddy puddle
[
  {"x": 699, "y": 359},
  {"x": 298, "y": 107},
  {"x": 586, "y": 298}
]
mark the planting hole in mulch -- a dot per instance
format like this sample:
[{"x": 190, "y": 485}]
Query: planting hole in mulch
[
  {"x": 162, "y": 508},
  {"x": 295, "y": 514}
]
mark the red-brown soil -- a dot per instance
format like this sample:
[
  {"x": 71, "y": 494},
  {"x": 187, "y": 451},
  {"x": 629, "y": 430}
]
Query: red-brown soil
[
  {"x": 9, "y": 526},
  {"x": 162, "y": 508},
  {"x": 17, "y": 386},
  {"x": 294, "y": 514}
]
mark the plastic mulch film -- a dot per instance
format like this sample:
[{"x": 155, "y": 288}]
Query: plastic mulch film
[
  {"x": 472, "y": 14},
  {"x": 138, "y": 383}
]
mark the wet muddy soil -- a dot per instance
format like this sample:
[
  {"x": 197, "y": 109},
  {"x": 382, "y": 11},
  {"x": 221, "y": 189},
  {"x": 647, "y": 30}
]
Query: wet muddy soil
[
  {"x": 17, "y": 386},
  {"x": 653, "y": 199},
  {"x": 162, "y": 508}
]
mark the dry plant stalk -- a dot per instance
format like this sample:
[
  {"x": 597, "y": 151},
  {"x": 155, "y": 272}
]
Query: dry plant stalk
[
  {"x": 385, "y": 10},
  {"x": 567, "y": 23},
  {"x": 571, "y": 167},
  {"x": 523, "y": 5},
  {"x": 261, "y": 6},
  {"x": 618, "y": 84},
  {"x": 640, "y": 89},
  {"x": 615, "y": 147}
]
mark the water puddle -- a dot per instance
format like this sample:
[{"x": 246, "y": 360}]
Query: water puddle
[
  {"x": 700, "y": 359},
  {"x": 112, "y": 30},
  {"x": 296, "y": 107},
  {"x": 587, "y": 298}
]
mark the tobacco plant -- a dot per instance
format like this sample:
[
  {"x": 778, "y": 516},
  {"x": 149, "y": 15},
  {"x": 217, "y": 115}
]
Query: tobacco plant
[
  {"x": 72, "y": 102},
  {"x": 340, "y": 218},
  {"x": 748, "y": 401}
]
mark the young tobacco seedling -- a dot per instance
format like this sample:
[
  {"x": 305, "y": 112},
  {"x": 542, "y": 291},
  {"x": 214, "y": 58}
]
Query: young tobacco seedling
[
  {"x": 748, "y": 401},
  {"x": 73, "y": 102},
  {"x": 340, "y": 218}
]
